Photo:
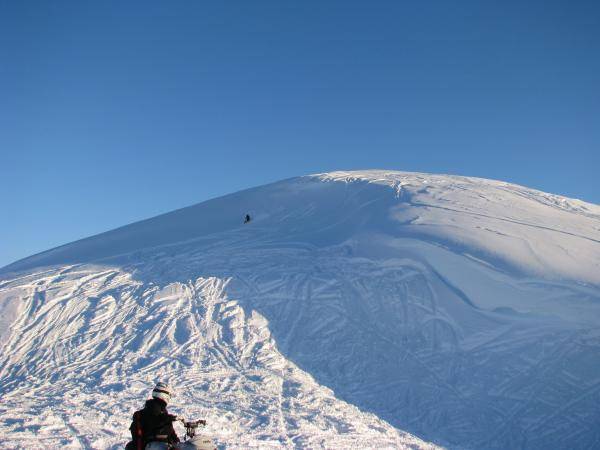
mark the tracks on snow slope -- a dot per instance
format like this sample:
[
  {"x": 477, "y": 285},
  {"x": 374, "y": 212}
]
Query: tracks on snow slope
[
  {"x": 460, "y": 327},
  {"x": 82, "y": 358}
]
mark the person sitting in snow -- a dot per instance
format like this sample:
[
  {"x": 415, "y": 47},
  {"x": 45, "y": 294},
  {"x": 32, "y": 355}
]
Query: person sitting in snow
[
  {"x": 152, "y": 427},
  {"x": 247, "y": 218}
]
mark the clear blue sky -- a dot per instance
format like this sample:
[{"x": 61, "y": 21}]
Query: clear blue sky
[{"x": 114, "y": 111}]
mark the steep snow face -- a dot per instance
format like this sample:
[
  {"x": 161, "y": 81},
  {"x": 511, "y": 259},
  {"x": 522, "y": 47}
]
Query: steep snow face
[{"x": 354, "y": 305}]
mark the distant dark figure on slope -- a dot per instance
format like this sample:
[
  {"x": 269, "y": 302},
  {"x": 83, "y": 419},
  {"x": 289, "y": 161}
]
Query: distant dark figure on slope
[
  {"x": 247, "y": 218},
  {"x": 152, "y": 427}
]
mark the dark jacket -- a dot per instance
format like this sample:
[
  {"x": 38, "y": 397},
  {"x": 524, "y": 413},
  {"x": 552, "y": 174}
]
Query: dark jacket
[{"x": 156, "y": 423}]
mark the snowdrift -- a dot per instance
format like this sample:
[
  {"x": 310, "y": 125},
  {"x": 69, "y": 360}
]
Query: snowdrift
[{"x": 356, "y": 309}]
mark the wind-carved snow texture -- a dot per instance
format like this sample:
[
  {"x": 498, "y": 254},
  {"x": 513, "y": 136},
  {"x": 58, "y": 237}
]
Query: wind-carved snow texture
[{"x": 355, "y": 308}]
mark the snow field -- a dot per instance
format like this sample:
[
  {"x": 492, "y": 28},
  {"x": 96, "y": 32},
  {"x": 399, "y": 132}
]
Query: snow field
[{"x": 356, "y": 310}]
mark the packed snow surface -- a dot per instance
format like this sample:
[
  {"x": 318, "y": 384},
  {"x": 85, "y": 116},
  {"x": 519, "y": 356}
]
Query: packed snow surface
[{"x": 356, "y": 310}]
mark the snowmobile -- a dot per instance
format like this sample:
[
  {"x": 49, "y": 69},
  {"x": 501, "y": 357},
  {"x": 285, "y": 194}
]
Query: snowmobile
[{"x": 192, "y": 440}]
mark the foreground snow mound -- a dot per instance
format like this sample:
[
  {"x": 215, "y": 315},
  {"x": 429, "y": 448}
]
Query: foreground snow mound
[{"x": 353, "y": 306}]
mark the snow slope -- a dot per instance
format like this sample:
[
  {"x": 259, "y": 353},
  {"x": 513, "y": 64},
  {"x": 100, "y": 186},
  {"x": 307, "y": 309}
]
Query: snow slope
[{"x": 356, "y": 308}]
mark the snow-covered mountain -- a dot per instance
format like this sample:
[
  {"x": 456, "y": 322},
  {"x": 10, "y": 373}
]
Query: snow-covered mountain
[{"x": 356, "y": 310}]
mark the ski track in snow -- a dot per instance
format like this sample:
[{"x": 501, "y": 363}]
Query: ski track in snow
[
  {"x": 82, "y": 361},
  {"x": 324, "y": 326}
]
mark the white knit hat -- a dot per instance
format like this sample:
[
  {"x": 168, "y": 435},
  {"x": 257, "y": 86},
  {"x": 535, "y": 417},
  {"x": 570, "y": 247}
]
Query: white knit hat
[{"x": 162, "y": 391}]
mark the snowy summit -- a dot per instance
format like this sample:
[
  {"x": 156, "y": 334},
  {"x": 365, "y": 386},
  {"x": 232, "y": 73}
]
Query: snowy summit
[{"x": 364, "y": 309}]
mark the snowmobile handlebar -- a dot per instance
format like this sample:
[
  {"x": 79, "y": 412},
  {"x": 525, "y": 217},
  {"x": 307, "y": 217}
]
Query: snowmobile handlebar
[{"x": 191, "y": 423}]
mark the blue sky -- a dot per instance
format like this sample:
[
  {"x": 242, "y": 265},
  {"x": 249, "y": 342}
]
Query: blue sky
[{"x": 112, "y": 112}]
